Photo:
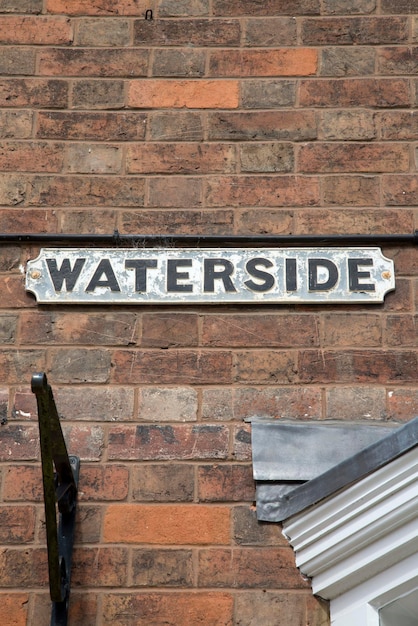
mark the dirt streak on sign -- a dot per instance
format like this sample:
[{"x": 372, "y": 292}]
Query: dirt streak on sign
[{"x": 182, "y": 276}]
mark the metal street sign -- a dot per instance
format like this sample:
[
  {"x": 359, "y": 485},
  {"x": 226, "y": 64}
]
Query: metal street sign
[{"x": 209, "y": 276}]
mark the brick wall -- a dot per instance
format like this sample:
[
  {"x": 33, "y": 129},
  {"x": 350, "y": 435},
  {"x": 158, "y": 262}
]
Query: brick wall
[{"x": 215, "y": 117}]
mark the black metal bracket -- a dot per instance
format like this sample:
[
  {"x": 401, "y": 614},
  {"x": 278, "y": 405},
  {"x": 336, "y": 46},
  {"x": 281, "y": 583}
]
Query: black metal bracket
[{"x": 60, "y": 487}]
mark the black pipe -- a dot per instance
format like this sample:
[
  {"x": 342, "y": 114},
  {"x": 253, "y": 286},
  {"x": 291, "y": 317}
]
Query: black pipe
[{"x": 205, "y": 241}]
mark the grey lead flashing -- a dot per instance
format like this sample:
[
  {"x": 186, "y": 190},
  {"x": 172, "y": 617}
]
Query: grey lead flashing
[{"x": 292, "y": 500}]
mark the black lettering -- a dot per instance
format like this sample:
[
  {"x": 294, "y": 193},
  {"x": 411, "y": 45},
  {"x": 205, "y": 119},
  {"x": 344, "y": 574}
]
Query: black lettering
[
  {"x": 173, "y": 276},
  {"x": 252, "y": 269},
  {"x": 140, "y": 266},
  {"x": 224, "y": 274},
  {"x": 64, "y": 273},
  {"x": 291, "y": 276},
  {"x": 103, "y": 269},
  {"x": 354, "y": 275},
  {"x": 314, "y": 265}
]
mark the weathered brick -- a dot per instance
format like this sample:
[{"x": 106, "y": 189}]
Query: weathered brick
[
  {"x": 86, "y": 221},
  {"x": 168, "y": 442},
  {"x": 179, "y": 63},
  {"x": 23, "y": 568},
  {"x": 12, "y": 190},
  {"x": 244, "y": 567},
  {"x": 75, "y": 365},
  {"x": 23, "y": 483},
  {"x": 17, "y": 524},
  {"x": 402, "y": 6},
  {"x": 88, "y": 523},
  {"x": 401, "y": 330},
  {"x": 12, "y": 288},
  {"x": 402, "y": 404},
  {"x": 163, "y": 483},
  {"x": 162, "y": 568},
  {"x": 10, "y": 258},
  {"x": 268, "y": 7},
  {"x": 277, "y": 402},
  {"x": 98, "y": 94},
  {"x": 353, "y": 221},
  {"x": 174, "y": 192},
  {"x": 180, "y": 158},
  {"x": 262, "y": 126},
  {"x": 249, "y": 531},
  {"x": 342, "y": 7},
  {"x": 33, "y": 92},
  {"x": 264, "y": 221},
  {"x": 360, "y": 157},
  {"x": 352, "y": 403},
  {"x": 93, "y": 62},
  {"x": 30, "y": 156},
  {"x": 192, "y": 94},
  {"x": 261, "y": 608},
  {"x": 21, "y": 6},
  {"x": 266, "y": 157},
  {"x": 82, "y": 608},
  {"x": 266, "y": 191},
  {"x": 347, "y": 61},
  {"x": 175, "y": 126},
  {"x": 103, "y": 483},
  {"x": 187, "y": 32},
  {"x": 199, "y": 609},
  {"x": 86, "y": 191},
  {"x": 168, "y": 330},
  {"x": 16, "y": 124},
  {"x": 30, "y": 30},
  {"x": 358, "y": 125},
  {"x": 398, "y": 125},
  {"x": 278, "y": 62},
  {"x": 107, "y": 404},
  {"x": 347, "y": 329},
  {"x": 15, "y": 365},
  {"x": 85, "y": 441},
  {"x": 369, "y": 92},
  {"x": 24, "y": 405},
  {"x": 99, "y": 567},
  {"x": 102, "y": 32},
  {"x": 264, "y": 367},
  {"x": 352, "y": 366},
  {"x": 96, "y": 7},
  {"x": 276, "y": 31},
  {"x": 168, "y": 404},
  {"x": 242, "y": 443},
  {"x": 217, "y": 404},
  {"x": 272, "y": 94},
  {"x": 93, "y": 159},
  {"x": 7, "y": 329},
  {"x": 351, "y": 190},
  {"x": 399, "y": 60},
  {"x": 15, "y": 61},
  {"x": 354, "y": 30},
  {"x": 14, "y": 607},
  {"x": 168, "y": 524},
  {"x": 108, "y": 126},
  {"x": 260, "y": 330},
  {"x": 223, "y": 483},
  {"x": 401, "y": 299},
  {"x": 400, "y": 190},
  {"x": 183, "y": 8},
  {"x": 184, "y": 222}
]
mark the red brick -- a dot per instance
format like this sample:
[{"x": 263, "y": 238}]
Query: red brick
[
  {"x": 159, "y": 482},
  {"x": 103, "y": 483},
  {"x": 278, "y": 402},
  {"x": 249, "y": 568},
  {"x": 268, "y": 221},
  {"x": 400, "y": 300},
  {"x": 99, "y": 126},
  {"x": 398, "y": 125},
  {"x": 99, "y": 62},
  {"x": 192, "y": 94},
  {"x": 264, "y": 367},
  {"x": 242, "y": 443},
  {"x": 171, "y": 367},
  {"x": 346, "y": 221},
  {"x": 33, "y": 92},
  {"x": 35, "y": 30},
  {"x": 278, "y": 62},
  {"x": 260, "y": 330},
  {"x": 261, "y": 608},
  {"x": 83, "y": 608},
  {"x": 348, "y": 329},
  {"x": 359, "y": 402},
  {"x": 262, "y": 125},
  {"x": 223, "y": 483},
  {"x": 180, "y": 158},
  {"x": 362, "y": 157},
  {"x": 174, "y": 192},
  {"x": 96, "y": 7},
  {"x": 22, "y": 156},
  {"x": 87, "y": 442},
  {"x": 17, "y": 524},
  {"x": 199, "y": 609},
  {"x": 183, "y": 222},
  {"x": 17, "y": 365},
  {"x": 99, "y": 567},
  {"x": 169, "y": 330},
  {"x": 354, "y": 30},
  {"x": 162, "y": 568},
  {"x": 20, "y": 220},
  {"x": 14, "y": 608},
  {"x": 168, "y": 442},
  {"x": 248, "y": 531},
  {"x": 16, "y": 124},
  {"x": 351, "y": 190},
  {"x": 268, "y": 7},
  {"x": 167, "y": 524},
  {"x": 265, "y": 191},
  {"x": 369, "y": 92},
  {"x": 86, "y": 221},
  {"x": 88, "y": 524},
  {"x": 13, "y": 288},
  {"x": 402, "y": 404},
  {"x": 400, "y": 190},
  {"x": 86, "y": 191},
  {"x": 401, "y": 330},
  {"x": 396, "y": 61},
  {"x": 23, "y": 568},
  {"x": 23, "y": 483},
  {"x": 187, "y": 32},
  {"x": 275, "y": 31},
  {"x": 167, "y": 404}
]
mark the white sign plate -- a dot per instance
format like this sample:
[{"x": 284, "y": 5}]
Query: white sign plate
[{"x": 183, "y": 276}]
